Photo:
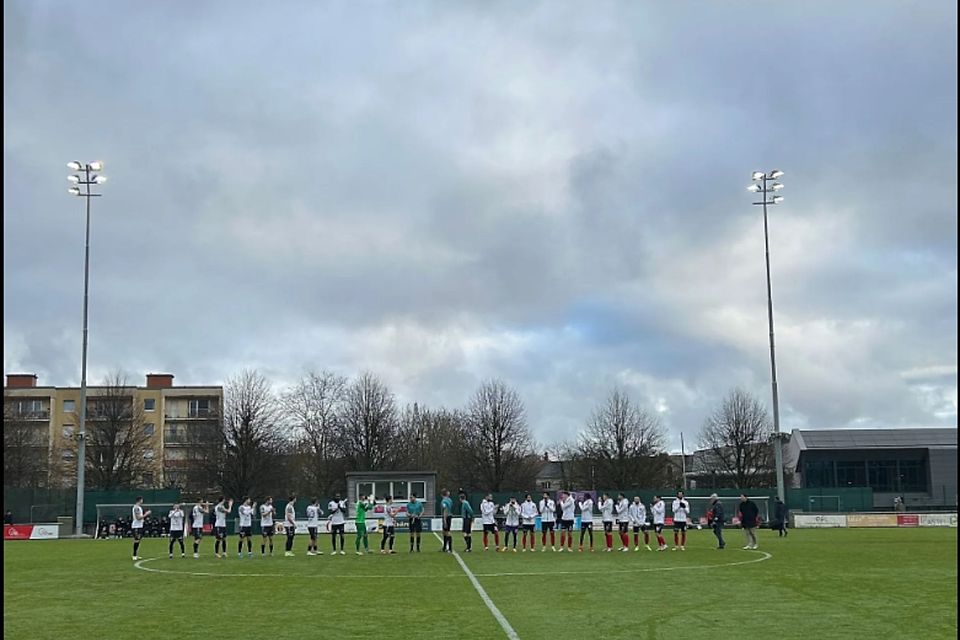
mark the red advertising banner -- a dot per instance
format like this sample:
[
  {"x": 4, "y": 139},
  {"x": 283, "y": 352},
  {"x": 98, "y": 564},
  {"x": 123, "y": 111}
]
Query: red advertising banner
[
  {"x": 17, "y": 531},
  {"x": 908, "y": 520}
]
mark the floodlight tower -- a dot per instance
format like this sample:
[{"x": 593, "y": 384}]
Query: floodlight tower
[
  {"x": 90, "y": 175},
  {"x": 767, "y": 186}
]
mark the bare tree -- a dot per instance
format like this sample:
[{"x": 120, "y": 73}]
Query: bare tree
[
  {"x": 621, "y": 445},
  {"x": 119, "y": 451},
  {"x": 247, "y": 455},
  {"x": 25, "y": 453},
  {"x": 367, "y": 425},
  {"x": 312, "y": 406},
  {"x": 735, "y": 442},
  {"x": 432, "y": 439},
  {"x": 499, "y": 445}
]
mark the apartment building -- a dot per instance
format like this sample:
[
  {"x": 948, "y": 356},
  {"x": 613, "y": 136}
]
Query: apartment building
[{"x": 46, "y": 418}]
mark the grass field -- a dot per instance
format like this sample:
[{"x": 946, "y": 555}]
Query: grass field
[{"x": 841, "y": 583}]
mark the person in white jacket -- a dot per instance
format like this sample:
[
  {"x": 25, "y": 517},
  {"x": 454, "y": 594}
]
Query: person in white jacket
[
  {"x": 623, "y": 521},
  {"x": 488, "y": 516},
  {"x": 606, "y": 516},
  {"x": 681, "y": 508},
  {"x": 659, "y": 510},
  {"x": 548, "y": 519},
  {"x": 512, "y": 512},
  {"x": 638, "y": 518},
  {"x": 586, "y": 520},
  {"x": 567, "y": 505},
  {"x": 528, "y": 517}
]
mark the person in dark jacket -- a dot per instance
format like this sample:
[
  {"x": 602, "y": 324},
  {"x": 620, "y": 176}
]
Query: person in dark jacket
[
  {"x": 715, "y": 519},
  {"x": 748, "y": 520},
  {"x": 780, "y": 511}
]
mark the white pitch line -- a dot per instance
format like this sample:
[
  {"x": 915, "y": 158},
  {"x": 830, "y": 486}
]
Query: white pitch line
[
  {"x": 504, "y": 624},
  {"x": 139, "y": 565}
]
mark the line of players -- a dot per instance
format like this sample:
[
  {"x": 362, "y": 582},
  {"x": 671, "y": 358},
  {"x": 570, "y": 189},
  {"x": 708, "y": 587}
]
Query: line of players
[
  {"x": 517, "y": 517},
  {"x": 521, "y": 517},
  {"x": 337, "y": 512}
]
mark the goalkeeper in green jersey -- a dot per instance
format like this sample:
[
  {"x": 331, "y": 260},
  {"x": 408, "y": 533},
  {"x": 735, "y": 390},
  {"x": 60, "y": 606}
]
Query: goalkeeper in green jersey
[{"x": 363, "y": 505}]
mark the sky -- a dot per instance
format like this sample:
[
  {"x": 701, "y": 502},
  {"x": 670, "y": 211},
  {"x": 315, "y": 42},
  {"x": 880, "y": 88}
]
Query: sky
[{"x": 548, "y": 193}]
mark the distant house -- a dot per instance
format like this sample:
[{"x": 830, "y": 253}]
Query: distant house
[{"x": 550, "y": 476}]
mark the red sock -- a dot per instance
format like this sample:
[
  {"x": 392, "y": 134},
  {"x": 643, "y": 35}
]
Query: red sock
[
  {"x": 683, "y": 539},
  {"x": 484, "y": 538},
  {"x": 496, "y": 538},
  {"x": 676, "y": 539},
  {"x": 636, "y": 539},
  {"x": 660, "y": 540},
  {"x": 609, "y": 537},
  {"x": 625, "y": 537},
  {"x": 543, "y": 538},
  {"x": 552, "y": 542},
  {"x": 646, "y": 538}
]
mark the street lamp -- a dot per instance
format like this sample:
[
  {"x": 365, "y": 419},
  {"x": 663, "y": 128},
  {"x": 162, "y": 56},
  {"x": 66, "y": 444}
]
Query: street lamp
[
  {"x": 766, "y": 185},
  {"x": 89, "y": 175}
]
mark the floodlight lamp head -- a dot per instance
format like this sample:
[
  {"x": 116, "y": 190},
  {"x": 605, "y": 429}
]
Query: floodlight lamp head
[
  {"x": 74, "y": 191},
  {"x": 757, "y": 175},
  {"x": 96, "y": 165},
  {"x": 777, "y": 199},
  {"x": 74, "y": 179},
  {"x": 753, "y": 188},
  {"x": 100, "y": 179},
  {"x": 76, "y": 166},
  {"x": 776, "y": 173},
  {"x": 777, "y": 186}
]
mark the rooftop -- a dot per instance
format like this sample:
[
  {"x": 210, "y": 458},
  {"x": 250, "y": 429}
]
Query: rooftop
[{"x": 875, "y": 438}]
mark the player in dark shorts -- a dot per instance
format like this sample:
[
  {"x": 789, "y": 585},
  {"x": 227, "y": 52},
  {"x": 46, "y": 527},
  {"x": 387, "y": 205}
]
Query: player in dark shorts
[
  {"x": 446, "y": 512},
  {"x": 466, "y": 512},
  {"x": 415, "y": 515}
]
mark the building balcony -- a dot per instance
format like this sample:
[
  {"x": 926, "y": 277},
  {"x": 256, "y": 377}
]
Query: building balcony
[
  {"x": 43, "y": 414},
  {"x": 197, "y": 414}
]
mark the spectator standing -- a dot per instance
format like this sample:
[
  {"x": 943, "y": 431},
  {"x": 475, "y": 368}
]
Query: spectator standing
[
  {"x": 748, "y": 520},
  {"x": 780, "y": 512},
  {"x": 715, "y": 519},
  {"x": 8, "y": 517}
]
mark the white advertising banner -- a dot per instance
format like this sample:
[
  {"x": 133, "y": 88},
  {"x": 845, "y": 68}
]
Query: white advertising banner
[
  {"x": 819, "y": 521},
  {"x": 938, "y": 520},
  {"x": 52, "y": 531}
]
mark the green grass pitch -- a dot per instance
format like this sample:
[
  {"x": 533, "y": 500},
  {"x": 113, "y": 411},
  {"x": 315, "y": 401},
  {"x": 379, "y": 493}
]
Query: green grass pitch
[{"x": 842, "y": 583}]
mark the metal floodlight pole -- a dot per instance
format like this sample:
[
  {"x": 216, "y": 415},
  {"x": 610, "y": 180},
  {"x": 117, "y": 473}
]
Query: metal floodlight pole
[
  {"x": 766, "y": 187},
  {"x": 88, "y": 168}
]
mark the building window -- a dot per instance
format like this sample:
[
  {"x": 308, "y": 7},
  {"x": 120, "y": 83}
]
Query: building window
[
  {"x": 882, "y": 475},
  {"x": 68, "y": 431},
  {"x": 913, "y": 476},
  {"x": 419, "y": 489},
  {"x": 851, "y": 473},
  {"x": 28, "y": 407},
  {"x": 365, "y": 489},
  {"x": 174, "y": 434},
  {"x": 198, "y": 408},
  {"x": 149, "y": 404},
  {"x": 69, "y": 406},
  {"x": 148, "y": 429},
  {"x": 818, "y": 474}
]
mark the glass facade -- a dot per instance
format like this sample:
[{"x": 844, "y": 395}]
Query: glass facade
[{"x": 888, "y": 476}]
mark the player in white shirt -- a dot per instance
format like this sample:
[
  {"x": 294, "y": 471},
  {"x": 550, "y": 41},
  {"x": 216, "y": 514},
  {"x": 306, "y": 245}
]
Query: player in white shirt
[
  {"x": 567, "y": 507},
  {"x": 488, "y": 516},
  {"x": 658, "y": 510},
  {"x": 586, "y": 520},
  {"x": 267, "y": 511},
  {"x": 246, "y": 511},
  {"x": 623, "y": 521},
  {"x": 606, "y": 515},
  {"x": 548, "y": 520},
  {"x": 681, "y": 509},
  {"x": 176, "y": 517},
  {"x": 220, "y": 512},
  {"x": 528, "y": 517},
  {"x": 136, "y": 524},
  {"x": 290, "y": 523},
  {"x": 512, "y": 523},
  {"x": 638, "y": 518},
  {"x": 197, "y": 525},
  {"x": 390, "y": 511},
  {"x": 313, "y": 522},
  {"x": 337, "y": 521}
]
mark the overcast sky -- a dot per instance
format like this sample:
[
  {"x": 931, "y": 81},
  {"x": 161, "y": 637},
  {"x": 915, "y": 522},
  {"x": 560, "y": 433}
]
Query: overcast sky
[{"x": 444, "y": 192}]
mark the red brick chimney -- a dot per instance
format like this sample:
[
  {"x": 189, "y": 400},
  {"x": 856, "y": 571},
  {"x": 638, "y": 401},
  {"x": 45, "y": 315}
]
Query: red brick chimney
[
  {"x": 21, "y": 380},
  {"x": 159, "y": 380}
]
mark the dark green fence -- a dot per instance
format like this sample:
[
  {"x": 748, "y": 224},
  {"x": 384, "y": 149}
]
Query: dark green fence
[{"x": 46, "y": 505}]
